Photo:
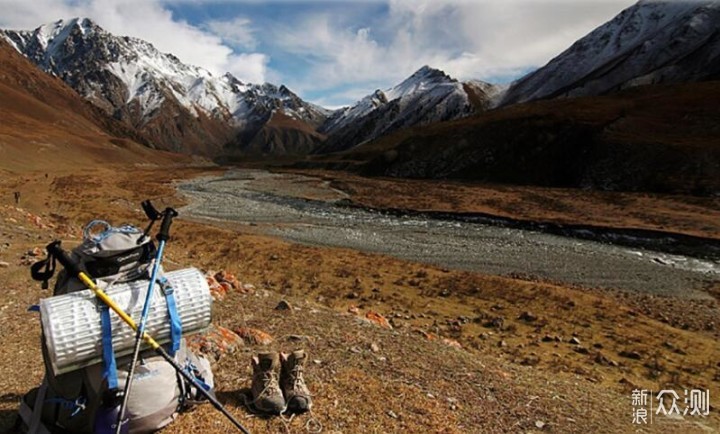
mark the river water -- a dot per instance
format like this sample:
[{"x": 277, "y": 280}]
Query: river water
[{"x": 272, "y": 204}]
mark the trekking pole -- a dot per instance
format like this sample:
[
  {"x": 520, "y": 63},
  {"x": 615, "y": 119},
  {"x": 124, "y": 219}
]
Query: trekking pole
[
  {"x": 73, "y": 267},
  {"x": 162, "y": 236}
]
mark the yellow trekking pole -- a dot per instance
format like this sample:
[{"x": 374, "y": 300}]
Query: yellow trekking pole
[{"x": 54, "y": 250}]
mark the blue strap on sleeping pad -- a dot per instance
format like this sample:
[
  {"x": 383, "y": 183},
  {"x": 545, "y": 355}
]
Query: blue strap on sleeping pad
[
  {"x": 175, "y": 322},
  {"x": 109, "y": 365}
]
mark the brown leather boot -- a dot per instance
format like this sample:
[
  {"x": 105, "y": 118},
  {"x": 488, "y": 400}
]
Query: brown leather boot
[
  {"x": 297, "y": 395},
  {"x": 267, "y": 396}
]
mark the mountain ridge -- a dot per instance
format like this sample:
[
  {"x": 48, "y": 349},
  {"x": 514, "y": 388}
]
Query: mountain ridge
[
  {"x": 148, "y": 90},
  {"x": 650, "y": 42},
  {"x": 429, "y": 95}
]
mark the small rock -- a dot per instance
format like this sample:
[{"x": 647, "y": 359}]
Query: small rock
[
  {"x": 539, "y": 424},
  {"x": 574, "y": 341},
  {"x": 378, "y": 319},
  {"x": 392, "y": 414},
  {"x": 317, "y": 361},
  {"x": 4, "y": 264},
  {"x": 354, "y": 310},
  {"x": 353, "y": 295},
  {"x": 528, "y": 316},
  {"x": 582, "y": 350},
  {"x": 502, "y": 344},
  {"x": 283, "y": 305},
  {"x": 630, "y": 355},
  {"x": 548, "y": 338},
  {"x": 254, "y": 336},
  {"x": 374, "y": 347},
  {"x": 274, "y": 257},
  {"x": 355, "y": 350}
]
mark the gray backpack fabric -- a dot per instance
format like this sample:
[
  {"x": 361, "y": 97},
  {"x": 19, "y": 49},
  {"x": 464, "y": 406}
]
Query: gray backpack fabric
[{"x": 68, "y": 402}]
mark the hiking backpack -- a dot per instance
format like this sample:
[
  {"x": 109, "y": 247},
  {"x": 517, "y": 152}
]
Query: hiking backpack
[{"x": 69, "y": 402}]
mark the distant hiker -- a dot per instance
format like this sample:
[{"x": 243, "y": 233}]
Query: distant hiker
[{"x": 17, "y": 197}]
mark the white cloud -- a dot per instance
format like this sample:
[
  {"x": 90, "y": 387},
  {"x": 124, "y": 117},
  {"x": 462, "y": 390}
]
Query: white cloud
[
  {"x": 352, "y": 52},
  {"x": 237, "y": 31},
  {"x": 467, "y": 39},
  {"x": 149, "y": 20}
]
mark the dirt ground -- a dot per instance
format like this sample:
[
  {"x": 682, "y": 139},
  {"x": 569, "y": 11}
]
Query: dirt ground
[{"x": 466, "y": 352}]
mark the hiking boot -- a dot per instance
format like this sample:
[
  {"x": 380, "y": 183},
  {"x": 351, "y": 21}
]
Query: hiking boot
[
  {"x": 266, "y": 393},
  {"x": 292, "y": 382}
]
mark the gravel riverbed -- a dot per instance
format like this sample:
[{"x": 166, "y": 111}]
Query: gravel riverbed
[{"x": 305, "y": 210}]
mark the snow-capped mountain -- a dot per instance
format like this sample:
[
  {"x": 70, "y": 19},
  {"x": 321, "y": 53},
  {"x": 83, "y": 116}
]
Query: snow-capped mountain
[
  {"x": 177, "y": 106},
  {"x": 427, "y": 96},
  {"x": 649, "y": 42}
]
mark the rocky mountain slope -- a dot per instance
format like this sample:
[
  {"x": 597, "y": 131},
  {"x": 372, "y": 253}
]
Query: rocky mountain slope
[
  {"x": 649, "y": 42},
  {"x": 45, "y": 123},
  {"x": 428, "y": 96},
  {"x": 661, "y": 138},
  {"x": 176, "y": 106}
]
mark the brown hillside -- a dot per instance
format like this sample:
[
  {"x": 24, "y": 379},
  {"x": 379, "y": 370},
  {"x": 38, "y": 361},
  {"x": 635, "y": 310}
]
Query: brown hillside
[
  {"x": 659, "y": 138},
  {"x": 45, "y": 124}
]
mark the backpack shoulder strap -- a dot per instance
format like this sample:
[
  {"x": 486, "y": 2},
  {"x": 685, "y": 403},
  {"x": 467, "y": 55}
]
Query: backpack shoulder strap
[{"x": 32, "y": 417}]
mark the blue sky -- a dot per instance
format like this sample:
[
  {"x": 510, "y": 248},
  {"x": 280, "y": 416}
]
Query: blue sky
[{"x": 335, "y": 52}]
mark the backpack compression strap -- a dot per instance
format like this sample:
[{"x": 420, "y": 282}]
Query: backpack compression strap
[
  {"x": 109, "y": 364},
  {"x": 175, "y": 322}
]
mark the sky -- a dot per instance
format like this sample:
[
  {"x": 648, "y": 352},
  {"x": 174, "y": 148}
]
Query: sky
[{"x": 333, "y": 53}]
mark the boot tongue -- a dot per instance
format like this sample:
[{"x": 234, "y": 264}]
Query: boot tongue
[
  {"x": 267, "y": 361},
  {"x": 299, "y": 356}
]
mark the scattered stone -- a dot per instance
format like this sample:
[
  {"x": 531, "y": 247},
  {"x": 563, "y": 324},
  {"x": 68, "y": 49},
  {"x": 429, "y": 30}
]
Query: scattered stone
[
  {"x": 630, "y": 355},
  {"x": 4, "y": 264},
  {"x": 445, "y": 293},
  {"x": 378, "y": 319},
  {"x": 495, "y": 323},
  {"x": 502, "y": 344},
  {"x": 426, "y": 335},
  {"x": 452, "y": 343},
  {"x": 354, "y": 310},
  {"x": 528, "y": 317},
  {"x": 215, "y": 342},
  {"x": 355, "y": 350},
  {"x": 227, "y": 278},
  {"x": 317, "y": 361},
  {"x": 283, "y": 305},
  {"x": 274, "y": 257},
  {"x": 248, "y": 288},
  {"x": 254, "y": 336},
  {"x": 374, "y": 347},
  {"x": 298, "y": 338},
  {"x": 392, "y": 414},
  {"x": 574, "y": 341},
  {"x": 539, "y": 424},
  {"x": 582, "y": 350},
  {"x": 548, "y": 338},
  {"x": 353, "y": 295}
]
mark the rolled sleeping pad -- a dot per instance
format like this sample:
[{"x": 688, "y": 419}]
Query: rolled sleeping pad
[{"x": 72, "y": 326}]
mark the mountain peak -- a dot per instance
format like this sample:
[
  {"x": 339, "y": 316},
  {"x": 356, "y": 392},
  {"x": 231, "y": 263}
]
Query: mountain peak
[{"x": 427, "y": 71}]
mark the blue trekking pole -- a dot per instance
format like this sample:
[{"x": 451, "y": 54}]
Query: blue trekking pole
[{"x": 162, "y": 236}]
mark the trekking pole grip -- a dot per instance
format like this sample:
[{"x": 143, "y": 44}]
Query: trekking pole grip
[
  {"x": 62, "y": 256},
  {"x": 168, "y": 215}
]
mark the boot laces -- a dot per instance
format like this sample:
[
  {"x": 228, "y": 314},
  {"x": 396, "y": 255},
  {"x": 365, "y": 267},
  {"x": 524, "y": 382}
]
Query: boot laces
[
  {"x": 296, "y": 374},
  {"x": 270, "y": 381}
]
